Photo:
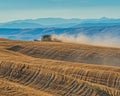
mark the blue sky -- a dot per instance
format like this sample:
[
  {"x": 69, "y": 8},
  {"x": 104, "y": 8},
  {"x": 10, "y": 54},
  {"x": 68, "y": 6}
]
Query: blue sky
[{"x": 26, "y": 9}]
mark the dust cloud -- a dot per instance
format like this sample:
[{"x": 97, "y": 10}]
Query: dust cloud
[{"x": 109, "y": 40}]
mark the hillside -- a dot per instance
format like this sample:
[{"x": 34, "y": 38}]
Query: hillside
[
  {"x": 70, "y": 52},
  {"x": 37, "y": 33},
  {"x": 30, "y": 68},
  {"x": 60, "y": 23}
]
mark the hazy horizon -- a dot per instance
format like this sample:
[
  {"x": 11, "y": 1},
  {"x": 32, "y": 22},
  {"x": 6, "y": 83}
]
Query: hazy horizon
[
  {"x": 31, "y": 9},
  {"x": 54, "y": 18}
]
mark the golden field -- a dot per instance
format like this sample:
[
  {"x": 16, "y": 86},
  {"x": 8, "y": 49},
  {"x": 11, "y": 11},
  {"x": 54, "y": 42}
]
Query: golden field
[{"x": 31, "y": 68}]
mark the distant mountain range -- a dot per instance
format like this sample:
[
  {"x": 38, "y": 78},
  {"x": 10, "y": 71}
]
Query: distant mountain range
[
  {"x": 36, "y": 33},
  {"x": 60, "y": 23},
  {"x": 35, "y": 28}
]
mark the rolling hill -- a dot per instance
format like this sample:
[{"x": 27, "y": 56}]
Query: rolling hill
[
  {"x": 60, "y": 23},
  {"x": 37, "y": 33},
  {"x": 31, "y": 68}
]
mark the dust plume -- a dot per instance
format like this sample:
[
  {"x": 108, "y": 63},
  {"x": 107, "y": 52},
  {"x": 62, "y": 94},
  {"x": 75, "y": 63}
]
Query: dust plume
[{"x": 105, "y": 39}]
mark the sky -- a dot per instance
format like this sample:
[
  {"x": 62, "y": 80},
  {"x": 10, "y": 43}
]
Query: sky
[{"x": 32, "y": 9}]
